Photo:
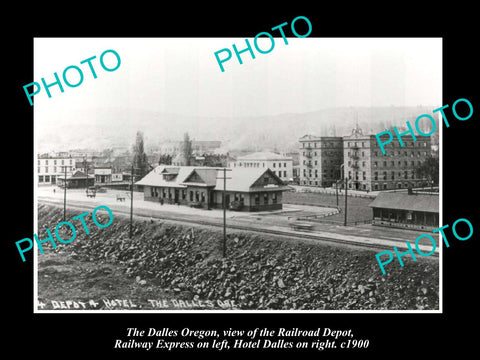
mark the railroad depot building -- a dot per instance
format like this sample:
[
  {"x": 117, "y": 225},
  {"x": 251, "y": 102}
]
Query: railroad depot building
[
  {"x": 406, "y": 210},
  {"x": 247, "y": 189}
]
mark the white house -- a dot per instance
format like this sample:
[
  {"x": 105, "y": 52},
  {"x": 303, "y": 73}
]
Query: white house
[
  {"x": 50, "y": 168},
  {"x": 282, "y": 166}
]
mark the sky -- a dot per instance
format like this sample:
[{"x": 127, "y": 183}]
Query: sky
[{"x": 181, "y": 76}]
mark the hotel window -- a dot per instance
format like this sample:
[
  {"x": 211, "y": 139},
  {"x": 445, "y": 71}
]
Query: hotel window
[
  {"x": 273, "y": 164},
  {"x": 316, "y": 162},
  {"x": 284, "y": 174}
]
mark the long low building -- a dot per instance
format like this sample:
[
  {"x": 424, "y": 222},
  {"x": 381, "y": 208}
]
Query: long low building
[
  {"x": 406, "y": 209},
  {"x": 247, "y": 189}
]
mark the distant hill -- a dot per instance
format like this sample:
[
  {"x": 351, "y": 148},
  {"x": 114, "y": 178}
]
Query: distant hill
[{"x": 116, "y": 127}]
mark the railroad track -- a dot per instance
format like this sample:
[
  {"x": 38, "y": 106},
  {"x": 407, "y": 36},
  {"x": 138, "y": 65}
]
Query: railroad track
[{"x": 289, "y": 234}]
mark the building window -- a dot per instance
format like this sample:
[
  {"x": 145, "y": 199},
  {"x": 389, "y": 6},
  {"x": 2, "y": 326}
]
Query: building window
[
  {"x": 46, "y": 162},
  {"x": 191, "y": 195},
  {"x": 40, "y": 178},
  {"x": 54, "y": 162},
  {"x": 376, "y": 153},
  {"x": 284, "y": 164},
  {"x": 406, "y": 163},
  {"x": 375, "y": 164},
  {"x": 265, "y": 198},
  {"x": 273, "y": 171},
  {"x": 46, "y": 169},
  {"x": 274, "y": 165},
  {"x": 363, "y": 144},
  {"x": 349, "y": 163},
  {"x": 363, "y": 163},
  {"x": 279, "y": 165},
  {"x": 203, "y": 196},
  {"x": 393, "y": 163},
  {"x": 376, "y": 186},
  {"x": 349, "y": 175},
  {"x": 364, "y": 175},
  {"x": 384, "y": 164},
  {"x": 384, "y": 186},
  {"x": 284, "y": 174},
  {"x": 375, "y": 174},
  {"x": 363, "y": 153},
  {"x": 47, "y": 178},
  {"x": 274, "y": 198},
  {"x": 393, "y": 175},
  {"x": 257, "y": 199},
  {"x": 184, "y": 194}
]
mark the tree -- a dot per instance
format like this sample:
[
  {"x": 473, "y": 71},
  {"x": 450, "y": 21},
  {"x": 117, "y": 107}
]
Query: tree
[
  {"x": 140, "y": 161},
  {"x": 187, "y": 149},
  {"x": 429, "y": 170},
  {"x": 165, "y": 159}
]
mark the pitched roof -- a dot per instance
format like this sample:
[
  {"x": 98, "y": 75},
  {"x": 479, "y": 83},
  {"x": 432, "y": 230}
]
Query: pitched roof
[
  {"x": 263, "y": 155},
  {"x": 238, "y": 179},
  {"x": 404, "y": 201}
]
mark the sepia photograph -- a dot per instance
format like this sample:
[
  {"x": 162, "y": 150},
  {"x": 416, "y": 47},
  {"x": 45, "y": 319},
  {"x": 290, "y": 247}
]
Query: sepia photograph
[{"x": 167, "y": 183}]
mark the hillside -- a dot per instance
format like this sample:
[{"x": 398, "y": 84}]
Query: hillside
[{"x": 279, "y": 132}]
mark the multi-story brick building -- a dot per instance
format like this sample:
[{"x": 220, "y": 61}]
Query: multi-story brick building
[
  {"x": 320, "y": 160},
  {"x": 367, "y": 168}
]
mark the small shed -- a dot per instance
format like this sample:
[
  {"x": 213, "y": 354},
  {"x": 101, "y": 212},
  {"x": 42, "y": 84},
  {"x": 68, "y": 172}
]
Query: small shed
[
  {"x": 76, "y": 180},
  {"x": 406, "y": 209}
]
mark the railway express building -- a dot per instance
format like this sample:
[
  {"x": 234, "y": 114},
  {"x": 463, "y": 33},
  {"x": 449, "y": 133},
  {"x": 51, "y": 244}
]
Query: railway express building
[
  {"x": 406, "y": 210},
  {"x": 247, "y": 189}
]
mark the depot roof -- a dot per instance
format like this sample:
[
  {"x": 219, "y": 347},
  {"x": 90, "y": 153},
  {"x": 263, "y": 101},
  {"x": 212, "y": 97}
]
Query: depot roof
[{"x": 238, "y": 179}]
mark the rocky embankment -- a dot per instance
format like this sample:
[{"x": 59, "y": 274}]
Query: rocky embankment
[{"x": 259, "y": 271}]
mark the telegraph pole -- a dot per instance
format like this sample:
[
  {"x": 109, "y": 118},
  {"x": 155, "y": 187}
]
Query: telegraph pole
[
  {"x": 131, "y": 204},
  {"x": 224, "y": 210},
  {"x": 346, "y": 187}
]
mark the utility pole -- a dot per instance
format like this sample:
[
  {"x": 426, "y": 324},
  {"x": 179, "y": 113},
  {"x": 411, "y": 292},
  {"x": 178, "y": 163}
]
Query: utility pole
[
  {"x": 346, "y": 193},
  {"x": 224, "y": 210},
  {"x": 131, "y": 204},
  {"x": 346, "y": 196},
  {"x": 65, "y": 195}
]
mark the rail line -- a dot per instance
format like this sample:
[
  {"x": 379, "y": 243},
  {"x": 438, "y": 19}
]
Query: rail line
[{"x": 289, "y": 234}]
